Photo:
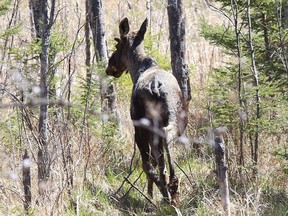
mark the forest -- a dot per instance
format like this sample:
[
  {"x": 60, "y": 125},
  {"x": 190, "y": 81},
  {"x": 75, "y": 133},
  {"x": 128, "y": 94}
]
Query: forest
[{"x": 67, "y": 139}]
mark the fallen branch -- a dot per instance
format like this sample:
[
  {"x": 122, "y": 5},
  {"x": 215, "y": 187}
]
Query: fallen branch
[
  {"x": 147, "y": 198},
  {"x": 133, "y": 184},
  {"x": 184, "y": 173}
]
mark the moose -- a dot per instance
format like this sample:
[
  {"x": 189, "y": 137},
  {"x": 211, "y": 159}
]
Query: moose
[{"x": 156, "y": 101}]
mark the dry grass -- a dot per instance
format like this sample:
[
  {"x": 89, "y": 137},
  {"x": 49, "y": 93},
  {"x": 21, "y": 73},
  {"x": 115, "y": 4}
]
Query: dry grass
[{"x": 105, "y": 159}]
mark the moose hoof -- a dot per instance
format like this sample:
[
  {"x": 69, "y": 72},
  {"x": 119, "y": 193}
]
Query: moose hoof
[
  {"x": 175, "y": 199},
  {"x": 173, "y": 188}
]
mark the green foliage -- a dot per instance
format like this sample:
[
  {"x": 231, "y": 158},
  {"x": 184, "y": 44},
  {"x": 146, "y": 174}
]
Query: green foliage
[
  {"x": 10, "y": 31},
  {"x": 93, "y": 200},
  {"x": 232, "y": 92},
  {"x": 10, "y": 135},
  {"x": 152, "y": 44},
  {"x": 219, "y": 35},
  {"x": 89, "y": 88},
  {"x": 277, "y": 202},
  {"x": 224, "y": 105},
  {"x": 265, "y": 15},
  {"x": 273, "y": 73},
  {"x": 4, "y": 6}
]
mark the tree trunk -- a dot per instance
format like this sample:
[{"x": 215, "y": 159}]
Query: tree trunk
[
  {"x": 281, "y": 24},
  {"x": 39, "y": 13},
  {"x": 221, "y": 173},
  {"x": 256, "y": 83},
  {"x": 108, "y": 95},
  {"x": 42, "y": 31},
  {"x": 235, "y": 12},
  {"x": 43, "y": 25},
  {"x": 88, "y": 44},
  {"x": 98, "y": 31},
  {"x": 43, "y": 154},
  {"x": 26, "y": 182},
  {"x": 178, "y": 47},
  {"x": 266, "y": 37}
]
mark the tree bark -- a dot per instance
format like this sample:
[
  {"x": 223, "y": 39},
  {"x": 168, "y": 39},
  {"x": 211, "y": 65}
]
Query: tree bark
[
  {"x": 235, "y": 13},
  {"x": 43, "y": 24},
  {"x": 26, "y": 182},
  {"x": 43, "y": 33},
  {"x": 43, "y": 154},
  {"x": 178, "y": 47},
  {"x": 221, "y": 172},
  {"x": 281, "y": 19},
  {"x": 98, "y": 31},
  {"x": 266, "y": 36},
  {"x": 108, "y": 94},
  {"x": 256, "y": 83},
  {"x": 88, "y": 44}
]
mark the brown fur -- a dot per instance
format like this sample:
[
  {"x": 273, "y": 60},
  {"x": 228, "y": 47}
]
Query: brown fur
[{"x": 157, "y": 97}]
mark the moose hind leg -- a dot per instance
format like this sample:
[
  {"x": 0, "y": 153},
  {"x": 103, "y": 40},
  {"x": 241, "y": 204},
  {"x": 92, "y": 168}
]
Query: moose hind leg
[
  {"x": 142, "y": 140},
  {"x": 173, "y": 180},
  {"x": 150, "y": 181},
  {"x": 158, "y": 153}
]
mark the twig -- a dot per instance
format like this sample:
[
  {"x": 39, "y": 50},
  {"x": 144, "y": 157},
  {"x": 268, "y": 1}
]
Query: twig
[
  {"x": 184, "y": 173},
  {"x": 130, "y": 170},
  {"x": 124, "y": 182},
  {"x": 147, "y": 198},
  {"x": 133, "y": 184}
]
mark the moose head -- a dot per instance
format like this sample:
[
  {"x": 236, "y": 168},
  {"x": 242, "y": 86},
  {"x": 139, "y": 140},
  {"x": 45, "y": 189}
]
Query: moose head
[{"x": 129, "y": 42}]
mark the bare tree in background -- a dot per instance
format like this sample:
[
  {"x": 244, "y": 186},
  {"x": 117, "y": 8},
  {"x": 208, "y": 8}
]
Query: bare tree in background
[
  {"x": 256, "y": 83},
  {"x": 108, "y": 95},
  {"x": 43, "y": 21},
  {"x": 237, "y": 29},
  {"x": 87, "y": 43},
  {"x": 177, "y": 46}
]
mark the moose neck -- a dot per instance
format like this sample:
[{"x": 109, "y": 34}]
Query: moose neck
[{"x": 138, "y": 62}]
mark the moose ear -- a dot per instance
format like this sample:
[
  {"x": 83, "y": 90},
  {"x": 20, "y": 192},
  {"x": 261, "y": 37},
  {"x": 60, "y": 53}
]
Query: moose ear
[
  {"x": 142, "y": 29},
  {"x": 141, "y": 33},
  {"x": 124, "y": 27},
  {"x": 117, "y": 39}
]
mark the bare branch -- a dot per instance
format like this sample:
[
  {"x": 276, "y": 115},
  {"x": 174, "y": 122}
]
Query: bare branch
[{"x": 147, "y": 198}]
